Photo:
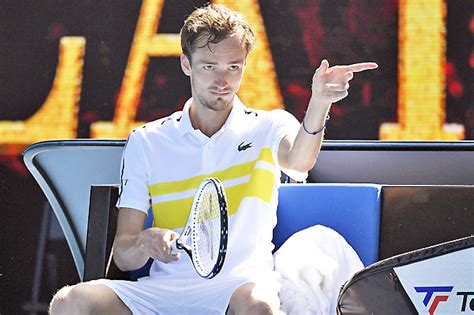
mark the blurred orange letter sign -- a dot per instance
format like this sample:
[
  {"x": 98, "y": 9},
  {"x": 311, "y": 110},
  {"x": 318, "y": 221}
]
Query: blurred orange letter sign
[{"x": 259, "y": 86}]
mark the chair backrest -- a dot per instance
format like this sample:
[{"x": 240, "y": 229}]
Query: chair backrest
[
  {"x": 65, "y": 171},
  {"x": 353, "y": 210}
]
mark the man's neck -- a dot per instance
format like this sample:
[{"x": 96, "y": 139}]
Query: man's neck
[{"x": 208, "y": 121}]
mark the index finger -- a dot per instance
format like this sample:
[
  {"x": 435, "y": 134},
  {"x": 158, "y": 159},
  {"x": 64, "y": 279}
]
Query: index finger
[{"x": 362, "y": 66}]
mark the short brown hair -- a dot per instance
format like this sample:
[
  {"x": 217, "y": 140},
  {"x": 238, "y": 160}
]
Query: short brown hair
[{"x": 217, "y": 23}]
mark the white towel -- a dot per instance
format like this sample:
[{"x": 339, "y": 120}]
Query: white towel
[{"x": 314, "y": 264}]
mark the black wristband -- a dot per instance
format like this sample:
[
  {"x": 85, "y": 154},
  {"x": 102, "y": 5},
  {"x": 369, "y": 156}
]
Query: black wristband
[{"x": 317, "y": 131}]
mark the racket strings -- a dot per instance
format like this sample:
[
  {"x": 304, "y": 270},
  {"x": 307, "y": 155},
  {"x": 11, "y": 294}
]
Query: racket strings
[{"x": 207, "y": 230}]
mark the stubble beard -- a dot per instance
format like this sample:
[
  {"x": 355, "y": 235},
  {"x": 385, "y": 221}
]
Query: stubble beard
[{"x": 218, "y": 104}]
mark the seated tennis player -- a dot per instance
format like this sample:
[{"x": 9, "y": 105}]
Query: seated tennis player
[{"x": 215, "y": 135}]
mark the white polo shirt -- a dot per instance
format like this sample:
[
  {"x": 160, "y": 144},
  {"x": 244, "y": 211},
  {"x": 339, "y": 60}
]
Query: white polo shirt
[{"x": 164, "y": 161}]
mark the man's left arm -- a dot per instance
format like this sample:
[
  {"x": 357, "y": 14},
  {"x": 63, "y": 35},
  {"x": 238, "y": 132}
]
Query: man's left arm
[{"x": 330, "y": 84}]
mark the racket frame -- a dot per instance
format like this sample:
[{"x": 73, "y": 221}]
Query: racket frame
[{"x": 188, "y": 230}]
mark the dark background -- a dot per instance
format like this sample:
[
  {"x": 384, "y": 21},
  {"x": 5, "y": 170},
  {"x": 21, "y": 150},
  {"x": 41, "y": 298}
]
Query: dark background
[{"x": 300, "y": 33}]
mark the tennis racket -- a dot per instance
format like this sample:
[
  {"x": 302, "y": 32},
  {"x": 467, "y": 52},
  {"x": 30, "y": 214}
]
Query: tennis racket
[{"x": 204, "y": 238}]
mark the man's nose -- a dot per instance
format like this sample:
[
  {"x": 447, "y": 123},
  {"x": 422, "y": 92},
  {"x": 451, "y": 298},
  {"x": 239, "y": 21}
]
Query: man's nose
[{"x": 221, "y": 79}]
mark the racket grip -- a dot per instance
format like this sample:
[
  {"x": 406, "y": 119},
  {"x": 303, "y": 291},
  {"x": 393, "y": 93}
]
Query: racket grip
[{"x": 174, "y": 248}]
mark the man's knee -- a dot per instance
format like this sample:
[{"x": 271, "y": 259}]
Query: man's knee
[
  {"x": 252, "y": 299},
  {"x": 66, "y": 300},
  {"x": 85, "y": 298},
  {"x": 260, "y": 308}
]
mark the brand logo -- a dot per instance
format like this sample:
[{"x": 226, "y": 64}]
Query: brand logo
[
  {"x": 243, "y": 147},
  {"x": 429, "y": 292},
  {"x": 248, "y": 112},
  {"x": 441, "y": 284},
  {"x": 440, "y": 294}
]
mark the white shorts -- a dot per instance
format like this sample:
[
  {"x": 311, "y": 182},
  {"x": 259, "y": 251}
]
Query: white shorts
[{"x": 209, "y": 296}]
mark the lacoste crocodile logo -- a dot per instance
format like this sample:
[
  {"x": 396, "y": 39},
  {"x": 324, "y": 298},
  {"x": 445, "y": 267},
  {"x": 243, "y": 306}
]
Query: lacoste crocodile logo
[
  {"x": 243, "y": 147},
  {"x": 248, "y": 112}
]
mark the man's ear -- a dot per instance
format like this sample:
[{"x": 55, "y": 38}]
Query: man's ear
[{"x": 185, "y": 65}]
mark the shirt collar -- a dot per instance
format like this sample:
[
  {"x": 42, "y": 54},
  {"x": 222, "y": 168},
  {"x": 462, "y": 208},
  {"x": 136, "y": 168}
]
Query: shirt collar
[
  {"x": 232, "y": 122},
  {"x": 185, "y": 121}
]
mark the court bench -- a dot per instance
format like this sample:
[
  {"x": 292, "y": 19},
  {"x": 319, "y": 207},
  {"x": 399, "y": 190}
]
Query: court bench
[
  {"x": 66, "y": 170},
  {"x": 351, "y": 209}
]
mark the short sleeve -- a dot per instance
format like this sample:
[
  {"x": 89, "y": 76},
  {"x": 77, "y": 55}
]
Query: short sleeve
[
  {"x": 134, "y": 191},
  {"x": 283, "y": 124}
]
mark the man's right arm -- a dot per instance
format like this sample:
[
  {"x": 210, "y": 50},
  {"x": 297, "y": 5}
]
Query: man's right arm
[{"x": 133, "y": 245}]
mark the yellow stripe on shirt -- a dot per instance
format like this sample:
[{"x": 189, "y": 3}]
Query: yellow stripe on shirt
[
  {"x": 232, "y": 172},
  {"x": 174, "y": 213}
]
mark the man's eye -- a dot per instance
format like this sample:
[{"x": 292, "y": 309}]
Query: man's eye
[
  {"x": 208, "y": 67},
  {"x": 233, "y": 67}
]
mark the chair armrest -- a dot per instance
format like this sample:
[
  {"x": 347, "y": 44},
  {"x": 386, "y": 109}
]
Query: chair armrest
[{"x": 102, "y": 224}]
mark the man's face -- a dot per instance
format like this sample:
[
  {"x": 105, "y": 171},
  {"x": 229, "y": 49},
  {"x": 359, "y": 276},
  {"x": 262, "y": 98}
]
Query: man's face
[{"x": 215, "y": 73}]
